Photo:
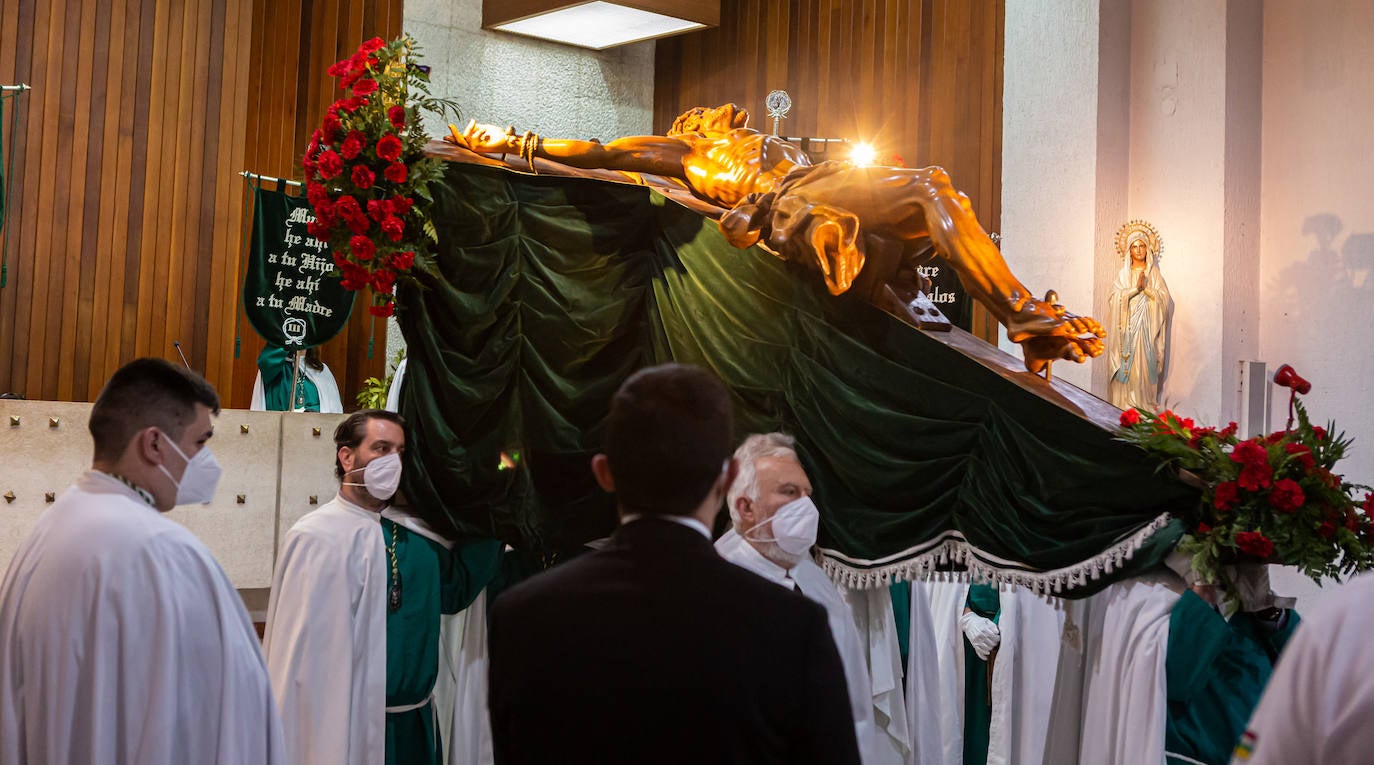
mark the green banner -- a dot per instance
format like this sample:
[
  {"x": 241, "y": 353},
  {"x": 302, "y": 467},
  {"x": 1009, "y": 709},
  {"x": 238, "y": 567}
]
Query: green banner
[{"x": 289, "y": 294}]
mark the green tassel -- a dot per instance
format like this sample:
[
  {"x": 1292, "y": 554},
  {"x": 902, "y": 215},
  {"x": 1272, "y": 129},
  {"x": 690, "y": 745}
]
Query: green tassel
[
  {"x": 238, "y": 341},
  {"x": 4, "y": 274}
]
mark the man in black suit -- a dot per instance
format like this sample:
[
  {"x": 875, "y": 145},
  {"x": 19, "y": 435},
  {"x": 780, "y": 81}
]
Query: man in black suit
[{"x": 654, "y": 650}]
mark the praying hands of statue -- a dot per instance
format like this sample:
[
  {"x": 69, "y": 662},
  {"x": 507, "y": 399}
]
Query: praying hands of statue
[{"x": 1140, "y": 282}]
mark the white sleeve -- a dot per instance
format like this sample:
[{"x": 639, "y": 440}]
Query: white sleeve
[{"x": 1318, "y": 704}]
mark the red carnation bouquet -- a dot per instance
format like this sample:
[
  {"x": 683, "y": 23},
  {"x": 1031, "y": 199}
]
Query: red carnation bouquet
[
  {"x": 1273, "y": 498},
  {"x": 367, "y": 176}
]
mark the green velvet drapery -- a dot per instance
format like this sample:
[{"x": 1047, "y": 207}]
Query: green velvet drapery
[{"x": 547, "y": 292}]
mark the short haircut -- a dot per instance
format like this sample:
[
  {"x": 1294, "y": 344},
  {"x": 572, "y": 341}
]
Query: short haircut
[
  {"x": 755, "y": 448},
  {"x": 667, "y": 438},
  {"x": 146, "y": 393},
  {"x": 353, "y": 430}
]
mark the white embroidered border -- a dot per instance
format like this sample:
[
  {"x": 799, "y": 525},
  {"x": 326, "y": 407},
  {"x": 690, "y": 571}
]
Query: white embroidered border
[{"x": 922, "y": 561}]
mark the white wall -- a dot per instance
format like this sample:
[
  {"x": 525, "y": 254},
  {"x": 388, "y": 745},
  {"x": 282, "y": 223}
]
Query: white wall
[
  {"x": 1317, "y": 228},
  {"x": 549, "y": 88},
  {"x": 503, "y": 79},
  {"x": 1049, "y": 194}
]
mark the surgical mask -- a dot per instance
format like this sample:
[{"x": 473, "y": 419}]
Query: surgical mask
[
  {"x": 381, "y": 477},
  {"x": 198, "y": 480},
  {"x": 794, "y": 526}
]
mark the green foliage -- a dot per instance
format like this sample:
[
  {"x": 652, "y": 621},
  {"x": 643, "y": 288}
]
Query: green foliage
[
  {"x": 375, "y": 390},
  {"x": 1273, "y": 498}
]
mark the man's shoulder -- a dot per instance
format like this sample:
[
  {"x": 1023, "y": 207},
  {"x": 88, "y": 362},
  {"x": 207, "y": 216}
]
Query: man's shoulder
[{"x": 333, "y": 521}]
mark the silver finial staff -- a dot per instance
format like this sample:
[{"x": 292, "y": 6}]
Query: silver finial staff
[{"x": 778, "y": 103}]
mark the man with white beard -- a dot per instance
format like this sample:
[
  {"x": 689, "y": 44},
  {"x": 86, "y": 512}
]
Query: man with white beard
[
  {"x": 121, "y": 638},
  {"x": 774, "y": 527}
]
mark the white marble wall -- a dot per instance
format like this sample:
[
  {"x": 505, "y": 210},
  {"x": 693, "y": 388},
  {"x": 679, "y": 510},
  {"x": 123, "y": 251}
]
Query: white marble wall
[{"x": 277, "y": 464}]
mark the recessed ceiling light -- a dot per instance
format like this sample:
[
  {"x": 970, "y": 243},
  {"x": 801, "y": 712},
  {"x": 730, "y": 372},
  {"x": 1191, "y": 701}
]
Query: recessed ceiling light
[{"x": 599, "y": 25}]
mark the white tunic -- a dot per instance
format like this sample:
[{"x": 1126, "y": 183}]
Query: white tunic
[
  {"x": 1319, "y": 703},
  {"x": 326, "y": 637},
  {"x": 122, "y": 641},
  {"x": 1124, "y": 694},
  {"x": 814, "y": 584}
]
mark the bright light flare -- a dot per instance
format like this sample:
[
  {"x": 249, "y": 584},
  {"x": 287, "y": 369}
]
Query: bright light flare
[{"x": 863, "y": 154}]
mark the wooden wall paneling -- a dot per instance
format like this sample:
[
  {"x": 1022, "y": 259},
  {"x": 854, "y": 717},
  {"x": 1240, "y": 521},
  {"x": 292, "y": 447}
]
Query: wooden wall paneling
[
  {"x": 49, "y": 68},
  {"x": 125, "y": 222},
  {"x": 9, "y": 71},
  {"x": 919, "y": 78},
  {"x": 87, "y": 156}
]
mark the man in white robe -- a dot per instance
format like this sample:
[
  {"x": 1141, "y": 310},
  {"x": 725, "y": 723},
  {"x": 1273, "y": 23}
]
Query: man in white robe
[
  {"x": 121, "y": 638},
  {"x": 326, "y": 619},
  {"x": 771, "y": 477}
]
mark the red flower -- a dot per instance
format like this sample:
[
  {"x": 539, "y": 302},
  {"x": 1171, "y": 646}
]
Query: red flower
[
  {"x": 362, "y": 247},
  {"x": 1130, "y": 417},
  {"x": 1368, "y": 503},
  {"x": 1229, "y": 430},
  {"x": 353, "y": 144},
  {"x": 363, "y": 178},
  {"x": 383, "y": 311},
  {"x": 1203, "y": 528},
  {"x": 316, "y": 193},
  {"x": 397, "y": 115},
  {"x": 1287, "y": 496},
  {"x": 339, "y": 68},
  {"x": 1198, "y": 435},
  {"x": 351, "y": 105},
  {"x": 393, "y": 228},
  {"x": 1326, "y": 530},
  {"x": 317, "y": 229},
  {"x": 396, "y": 172},
  {"x": 372, "y": 46},
  {"x": 1275, "y": 437},
  {"x": 1249, "y": 453},
  {"x": 1301, "y": 453},
  {"x": 1255, "y": 477},
  {"x": 354, "y": 277},
  {"x": 324, "y": 213},
  {"x": 1319, "y": 432},
  {"x": 330, "y": 164},
  {"x": 402, "y": 261},
  {"x": 1225, "y": 497},
  {"x": 383, "y": 281},
  {"x": 365, "y": 87},
  {"x": 1254, "y": 543},
  {"x": 401, "y": 205},
  {"x": 330, "y": 129},
  {"x": 389, "y": 148},
  {"x": 377, "y": 209},
  {"x": 348, "y": 208}
]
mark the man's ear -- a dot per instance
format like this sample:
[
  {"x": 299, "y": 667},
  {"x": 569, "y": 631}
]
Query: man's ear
[
  {"x": 345, "y": 456},
  {"x": 146, "y": 444},
  {"x": 601, "y": 470}
]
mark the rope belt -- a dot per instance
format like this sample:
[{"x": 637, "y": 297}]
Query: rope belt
[{"x": 409, "y": 707}]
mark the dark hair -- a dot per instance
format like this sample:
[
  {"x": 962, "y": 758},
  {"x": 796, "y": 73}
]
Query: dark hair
[
  {"x": 143, "y": 393},
  {"x": 353, "y": 430},
  {"x": 669, "y": 433}
]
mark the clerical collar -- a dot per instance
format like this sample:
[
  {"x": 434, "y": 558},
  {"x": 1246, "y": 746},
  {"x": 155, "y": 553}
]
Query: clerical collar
[
  {"x": 755, "y": 561},
  {"x": 681, "y": 520},
  {"x": 142, "y": 493}
]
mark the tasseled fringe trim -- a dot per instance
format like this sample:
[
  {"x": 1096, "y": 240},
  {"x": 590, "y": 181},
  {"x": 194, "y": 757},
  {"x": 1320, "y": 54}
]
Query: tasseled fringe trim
[{"x": 926, "y": 561}]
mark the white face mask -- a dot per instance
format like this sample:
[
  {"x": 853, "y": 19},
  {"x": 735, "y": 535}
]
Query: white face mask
[
  {"x": 198, "y": 480},
  {"x": 794, "y": 526},
  {"x": 381, "y": 477}
]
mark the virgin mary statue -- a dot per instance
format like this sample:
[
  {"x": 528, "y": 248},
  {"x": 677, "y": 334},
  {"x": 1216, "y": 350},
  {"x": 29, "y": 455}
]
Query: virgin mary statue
[{"x": 1137, "y": 320}]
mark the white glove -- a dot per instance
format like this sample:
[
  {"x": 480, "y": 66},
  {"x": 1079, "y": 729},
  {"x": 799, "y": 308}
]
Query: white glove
[{"x": 981, "y": 632}]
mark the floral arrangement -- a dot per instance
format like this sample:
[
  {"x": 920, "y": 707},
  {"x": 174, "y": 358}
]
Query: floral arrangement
[
  {"x": 367, "y": 176},
  {"x": 1273, "y": 498}
]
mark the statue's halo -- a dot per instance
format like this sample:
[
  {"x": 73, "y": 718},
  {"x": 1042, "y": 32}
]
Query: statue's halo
[{"x": 1152, "y": 238}]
